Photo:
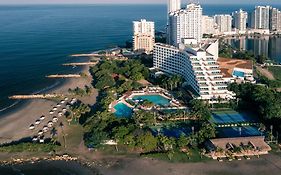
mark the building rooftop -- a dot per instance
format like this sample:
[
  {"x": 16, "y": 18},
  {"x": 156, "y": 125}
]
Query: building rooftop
[{"x": 227, "y": 65}]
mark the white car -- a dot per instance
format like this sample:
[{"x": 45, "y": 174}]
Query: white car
[
  {"x": 64, "y": 110},
  {"x": 62, "y": 102},
  {"x": 41, "y": 141},
  {"x": 31, "y": 127},
  {"x": 37, "y": 122},
  {"x": 58, "y": 105},
  {"x": 60, "y": 114},
  {"x": 51, "y": 112},
  {"x": 45, "y": 129},
  {"x": 66, "y": 99},
  {"x": 55, "y": 108}
]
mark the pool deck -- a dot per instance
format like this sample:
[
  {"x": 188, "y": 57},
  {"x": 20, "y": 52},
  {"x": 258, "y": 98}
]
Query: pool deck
[{"x": 146, "y": 91}]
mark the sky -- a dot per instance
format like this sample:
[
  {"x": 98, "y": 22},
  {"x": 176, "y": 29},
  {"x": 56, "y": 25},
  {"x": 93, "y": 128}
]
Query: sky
[{"x": 136, "y": 1}]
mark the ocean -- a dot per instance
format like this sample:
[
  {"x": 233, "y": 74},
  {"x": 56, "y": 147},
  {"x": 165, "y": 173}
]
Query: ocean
[{"x": 36, "y": 39}]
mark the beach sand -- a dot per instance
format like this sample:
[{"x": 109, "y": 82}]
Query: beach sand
[{"x": 15, "y": 125}]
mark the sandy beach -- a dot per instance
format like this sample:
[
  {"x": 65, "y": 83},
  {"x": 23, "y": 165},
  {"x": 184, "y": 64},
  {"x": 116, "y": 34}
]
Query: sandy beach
[{"x": 15, "y": 125}]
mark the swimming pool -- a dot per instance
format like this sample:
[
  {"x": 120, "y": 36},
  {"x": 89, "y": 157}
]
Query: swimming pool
[
  {"x": 238, "y": 73},
  {"x": 231, "y": 117},
  {"x": 232, "y": 132},
  {"x": 156, "y": 99},
  {"x": 123, "y": 110}
]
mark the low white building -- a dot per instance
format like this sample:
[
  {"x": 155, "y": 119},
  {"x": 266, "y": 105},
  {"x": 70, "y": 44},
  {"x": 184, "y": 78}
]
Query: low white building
[{"x": 197, "y": 64}]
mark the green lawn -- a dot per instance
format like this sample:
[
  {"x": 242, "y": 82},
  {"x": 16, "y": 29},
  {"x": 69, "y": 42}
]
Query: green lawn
[
  {"x": 276, "y": 71},
  {"x": 179, "y": 157},
  {"x": 29, "y": 147}
]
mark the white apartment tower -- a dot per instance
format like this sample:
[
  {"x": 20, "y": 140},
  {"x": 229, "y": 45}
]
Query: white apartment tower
[
  {"x": 185, "y": 23},
  {"x": 224, "y": 23},
  {"x": 209, "y": 25},
  {"x": 197, "y": 64},
  {"x": 240, "y": 20},
  {"x": 174, "y": 5},
  {"x": 144, "y": 36},
  {"x": 273, "y": 19},
  {"x": 279, "y": 21},
  {"x": 260, "y": 17}
]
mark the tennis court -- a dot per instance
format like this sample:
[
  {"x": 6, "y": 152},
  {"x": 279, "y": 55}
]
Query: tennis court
[
  {"x": 231, "y": 117},
  {"x": 232, "y": 132}
]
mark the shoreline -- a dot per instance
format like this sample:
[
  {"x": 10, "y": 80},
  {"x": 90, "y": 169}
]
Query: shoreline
[{"x": 14, "y": 124}]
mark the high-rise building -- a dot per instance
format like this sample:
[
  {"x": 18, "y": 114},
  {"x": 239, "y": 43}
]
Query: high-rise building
[
  {"x": 209, "y": 25},
  {"x": 174, "y": 5},
  {"x": 240, "y": 20},
  {"x": 185, "y": 23},
  {"x": 197, "y": 64},
  {"x": 144, "y": 36},
  {"x": 273, "y": 19},
  {"x": 224, "y": 23},
  {"x": 279, "y": 21},
  {"x": 260, "y": 17}
]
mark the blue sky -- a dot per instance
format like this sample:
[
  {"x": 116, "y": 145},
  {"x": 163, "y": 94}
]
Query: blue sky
[{"x": 136, "y": 1}]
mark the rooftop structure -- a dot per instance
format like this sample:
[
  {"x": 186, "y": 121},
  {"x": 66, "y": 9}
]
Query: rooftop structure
[{"x": 236, "y": 69}]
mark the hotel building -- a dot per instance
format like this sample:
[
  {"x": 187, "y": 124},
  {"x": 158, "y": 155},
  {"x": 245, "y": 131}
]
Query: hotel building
[
  {"x": 185, "y": 23},
  {"x": 144, "y": 36},
  {"x": 197, "y": 64}
]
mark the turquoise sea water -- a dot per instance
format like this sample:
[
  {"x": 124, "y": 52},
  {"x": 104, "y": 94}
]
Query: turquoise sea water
[{"x": 37, "y": 39}]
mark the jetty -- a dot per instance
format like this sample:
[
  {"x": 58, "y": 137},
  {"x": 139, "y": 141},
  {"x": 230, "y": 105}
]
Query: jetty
[
  {"x": 65, "y": 76},
  {"x": 86, "y": 55},
  {"x": 81, "y": 64},
  {"x": 36, "y": 96}
]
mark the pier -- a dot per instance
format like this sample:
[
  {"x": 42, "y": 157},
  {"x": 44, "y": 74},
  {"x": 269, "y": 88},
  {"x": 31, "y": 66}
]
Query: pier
[
  {"x": 37, "y": 96},
  {"x": 85, "y": 55},
  {"x": 65, "y": 76},
  {"x": 81, "y": 64}
]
